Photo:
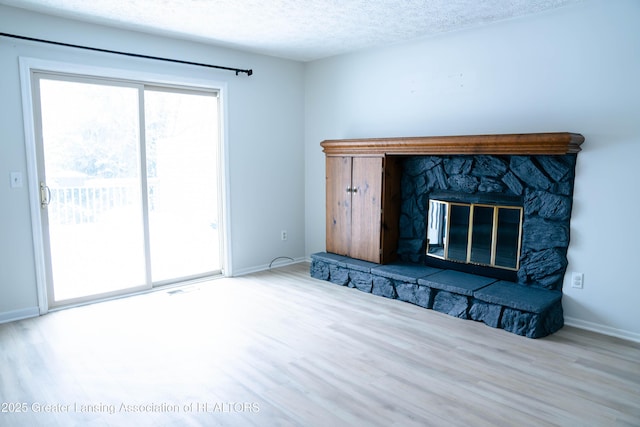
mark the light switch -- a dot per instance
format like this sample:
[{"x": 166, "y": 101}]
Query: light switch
[{"x": 16, "y": 179}]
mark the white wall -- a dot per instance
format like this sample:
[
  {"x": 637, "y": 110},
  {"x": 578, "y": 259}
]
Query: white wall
[
  {"x": 265, "y": 140},
  {"x": 573, "y": 69}
]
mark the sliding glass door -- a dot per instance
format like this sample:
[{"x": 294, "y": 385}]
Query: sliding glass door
[
  {"x": 182, "y": 183},
  {"x": 129, "y": 185}
]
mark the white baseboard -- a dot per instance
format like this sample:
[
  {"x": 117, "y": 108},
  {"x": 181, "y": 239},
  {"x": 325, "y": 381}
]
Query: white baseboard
[
  {"x": 602, "y": 329},
  {"x": 277, "y": 262},
  {"x": 25, "y": 313}
]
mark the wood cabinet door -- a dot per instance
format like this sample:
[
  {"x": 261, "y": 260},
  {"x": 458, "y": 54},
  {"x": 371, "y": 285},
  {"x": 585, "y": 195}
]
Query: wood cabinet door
[
  {"x": 366, "y": 214},
  {"x": 338, "y": 180}
]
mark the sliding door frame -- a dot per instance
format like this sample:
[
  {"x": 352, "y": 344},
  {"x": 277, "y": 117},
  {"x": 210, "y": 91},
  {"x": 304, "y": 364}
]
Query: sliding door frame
[{"x": 28, "y": 66}]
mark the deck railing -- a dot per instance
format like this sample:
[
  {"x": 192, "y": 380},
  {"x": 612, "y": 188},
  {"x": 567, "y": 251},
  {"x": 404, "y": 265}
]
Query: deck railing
[{"x": 85, "y": 204}]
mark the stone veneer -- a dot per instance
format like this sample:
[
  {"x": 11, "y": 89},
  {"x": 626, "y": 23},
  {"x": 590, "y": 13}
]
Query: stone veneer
[
  {"x": 531, "y": 305},
  {"x": 544, "y": 185}
]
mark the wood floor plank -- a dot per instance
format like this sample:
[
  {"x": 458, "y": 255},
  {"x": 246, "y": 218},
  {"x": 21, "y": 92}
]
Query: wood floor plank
[{"x": 278, "y": 348}]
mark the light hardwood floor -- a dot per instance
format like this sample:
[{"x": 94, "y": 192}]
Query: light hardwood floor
[{"x": 278, "y": 348}]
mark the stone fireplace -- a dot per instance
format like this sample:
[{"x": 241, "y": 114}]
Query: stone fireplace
[
  {"x": 542, "y": 185},
  {"x": 516, "y": 190}
]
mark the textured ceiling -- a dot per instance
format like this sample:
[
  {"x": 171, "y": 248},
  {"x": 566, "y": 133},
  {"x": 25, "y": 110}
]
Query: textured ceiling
[{"x": 303, "y": 30}]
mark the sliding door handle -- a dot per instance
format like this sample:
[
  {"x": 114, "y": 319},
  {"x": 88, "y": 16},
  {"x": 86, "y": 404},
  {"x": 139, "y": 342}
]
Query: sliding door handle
[{"x": 45, "y": 195}]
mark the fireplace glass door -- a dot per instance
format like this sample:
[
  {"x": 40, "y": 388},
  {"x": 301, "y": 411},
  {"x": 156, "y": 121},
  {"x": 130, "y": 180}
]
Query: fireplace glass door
[
  {"x": 456, "y": 246},
  {"x": 475, "y": 233}
]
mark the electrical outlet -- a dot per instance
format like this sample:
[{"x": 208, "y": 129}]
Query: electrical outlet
[
  {"x": 577, "y": 280},
  {"x": 283, "y": 235}
]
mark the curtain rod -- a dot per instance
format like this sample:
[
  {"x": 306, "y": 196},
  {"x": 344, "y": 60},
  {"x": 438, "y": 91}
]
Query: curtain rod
[{"x": 135, "y": 55}]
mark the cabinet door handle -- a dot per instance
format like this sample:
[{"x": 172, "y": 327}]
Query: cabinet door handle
[
  {"x": 354, "y": 190},
  {"x": 349, "y": 190}
]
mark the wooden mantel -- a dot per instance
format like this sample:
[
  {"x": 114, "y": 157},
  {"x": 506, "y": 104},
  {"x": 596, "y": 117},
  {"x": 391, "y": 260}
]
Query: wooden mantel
[{"x": 557, "y": 143}]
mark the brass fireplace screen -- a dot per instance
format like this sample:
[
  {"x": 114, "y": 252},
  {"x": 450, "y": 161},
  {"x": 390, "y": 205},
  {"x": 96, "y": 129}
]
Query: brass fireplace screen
[{"x": 475, "y": 233}]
